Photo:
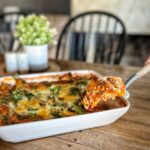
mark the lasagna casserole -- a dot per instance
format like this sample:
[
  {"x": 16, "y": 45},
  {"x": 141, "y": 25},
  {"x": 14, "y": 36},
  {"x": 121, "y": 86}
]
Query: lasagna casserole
[{"x": 72, "y": 94}]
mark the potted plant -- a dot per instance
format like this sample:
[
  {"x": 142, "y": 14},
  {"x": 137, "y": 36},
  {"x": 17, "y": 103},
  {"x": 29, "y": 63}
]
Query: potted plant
[{"x": 34, "y": 33}]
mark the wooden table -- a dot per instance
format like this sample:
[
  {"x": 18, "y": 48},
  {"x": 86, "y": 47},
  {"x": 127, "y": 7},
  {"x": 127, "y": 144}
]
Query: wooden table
[{"x": 132, "y": 131}]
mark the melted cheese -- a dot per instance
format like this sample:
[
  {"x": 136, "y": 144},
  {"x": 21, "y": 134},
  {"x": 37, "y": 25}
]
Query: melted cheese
[
  {"x": 66, "y": 95},
  {"x": 34, "y": 103},
  {"x": 44, "y": 113},
  {"x": 22, "y": 106}
]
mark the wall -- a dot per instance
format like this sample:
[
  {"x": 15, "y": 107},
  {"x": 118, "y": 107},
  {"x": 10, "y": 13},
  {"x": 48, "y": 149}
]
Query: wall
[{"x": 134, "y": 13}]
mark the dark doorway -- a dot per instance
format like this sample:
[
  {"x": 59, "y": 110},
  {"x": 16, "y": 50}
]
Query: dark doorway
[{"x": 41, "y": 6}]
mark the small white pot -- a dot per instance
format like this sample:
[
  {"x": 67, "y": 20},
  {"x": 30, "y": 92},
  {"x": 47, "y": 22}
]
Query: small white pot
[{"x": 37, "y": 57}]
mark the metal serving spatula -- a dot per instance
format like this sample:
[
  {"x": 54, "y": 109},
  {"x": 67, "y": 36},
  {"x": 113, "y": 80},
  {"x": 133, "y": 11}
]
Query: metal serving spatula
[{"x": 137, "y": 75}]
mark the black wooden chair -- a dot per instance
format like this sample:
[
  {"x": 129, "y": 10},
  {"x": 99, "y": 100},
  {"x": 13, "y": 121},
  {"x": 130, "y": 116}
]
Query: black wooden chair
[
  {"x": 7, "y": 26},
  {"x": 93, "y": 37}
]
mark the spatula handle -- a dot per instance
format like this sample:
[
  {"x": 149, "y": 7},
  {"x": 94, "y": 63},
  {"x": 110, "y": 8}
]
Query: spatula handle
[
  {"x": 143, "y": 71},
  {"x": 131, "y": 79},
  {"x": 137, "y": 75}
]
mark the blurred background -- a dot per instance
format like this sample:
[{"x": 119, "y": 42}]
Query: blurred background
[{"x": 135, "y": 14}]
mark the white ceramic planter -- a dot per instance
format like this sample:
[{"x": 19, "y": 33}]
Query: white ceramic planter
[{"x": 37, "y": 57}]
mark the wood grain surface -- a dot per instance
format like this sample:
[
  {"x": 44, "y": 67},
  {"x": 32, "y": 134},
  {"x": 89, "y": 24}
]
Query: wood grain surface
[{"x": 132, "y": 131}]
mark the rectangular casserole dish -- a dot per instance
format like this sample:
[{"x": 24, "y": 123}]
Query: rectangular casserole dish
[{"x": 38, "y": 129}]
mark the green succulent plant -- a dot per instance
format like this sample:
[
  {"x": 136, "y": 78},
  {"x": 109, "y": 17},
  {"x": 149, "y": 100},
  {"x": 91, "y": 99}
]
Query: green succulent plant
[{"x": 34, "y": 30}]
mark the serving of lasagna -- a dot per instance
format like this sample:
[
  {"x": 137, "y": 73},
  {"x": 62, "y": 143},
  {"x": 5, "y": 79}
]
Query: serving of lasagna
[{"x": 71, "y": 94}]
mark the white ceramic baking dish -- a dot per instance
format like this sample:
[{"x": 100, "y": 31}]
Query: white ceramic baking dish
[{"x": 38, "y": 129}]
